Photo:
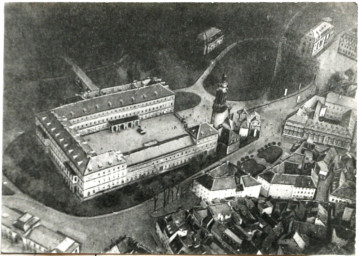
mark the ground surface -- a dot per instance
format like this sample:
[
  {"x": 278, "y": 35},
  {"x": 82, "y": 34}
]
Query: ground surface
[
  {"x": 252, "y": 167},
  {"x": 270, "y": 154},
  {"x": 186, "y": 100},
  {"x": 249, "y": 68}
]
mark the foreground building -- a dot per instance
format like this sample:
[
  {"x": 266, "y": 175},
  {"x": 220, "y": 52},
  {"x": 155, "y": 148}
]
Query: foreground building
[
  {"x": 118, "y": 136},
  {"x": 348, "y": 44},
  {"x": 316, "y": 39},
  {"x": 225, "y": 181},
  {"x": 329, "y": 120},
  {"x": 26, "y": 229},
  {"x": 288, "y": 180}
]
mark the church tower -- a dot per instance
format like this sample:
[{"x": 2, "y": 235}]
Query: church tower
[{"x": 220, "y": 111}]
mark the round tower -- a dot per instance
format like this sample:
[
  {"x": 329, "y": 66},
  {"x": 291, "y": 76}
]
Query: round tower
[{"x": 220, "y": 107}]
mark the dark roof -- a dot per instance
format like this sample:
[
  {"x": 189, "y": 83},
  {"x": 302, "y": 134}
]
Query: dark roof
[
  {"x": 176, "y": 245},
  {"x": 124, "y": 120},
  {"x": 201, "y": 131},
  {"x": 347, "y": 192},
  {"x": 112, "y": 101},
  {"x": 304, "y": 182},
  {"x": 206, "y": 181},
  {"x": 268, "y": 176},
  {"x": 228, "y": 137}
]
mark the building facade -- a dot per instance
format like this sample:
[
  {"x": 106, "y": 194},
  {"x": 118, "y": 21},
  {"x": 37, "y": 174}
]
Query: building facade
[
  {"x": 348, "y": 44},
  {"x": 82, "y": 139},
  {"x": 330, "y": 121},
  {"x": 34, "y": 237},
  {"x": 225, "y": 181},
  {"x": 210, "y": 39},
  {"x": 316, "y": 39}
]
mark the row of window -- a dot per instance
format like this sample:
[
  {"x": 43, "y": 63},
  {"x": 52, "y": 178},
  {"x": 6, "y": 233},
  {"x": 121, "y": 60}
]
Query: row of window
[{"x": 118, "y": 110}]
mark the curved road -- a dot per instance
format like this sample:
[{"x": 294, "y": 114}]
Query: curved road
[{"x": 95, "y": 233}]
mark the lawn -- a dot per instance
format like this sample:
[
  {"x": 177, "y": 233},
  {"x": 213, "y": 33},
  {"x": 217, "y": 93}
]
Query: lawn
[
  {"x": 32, "y": 171},
  {"x": 270, "y": 154},
  {"x": 186, "y": 100},
  {"x": 251, "y": 167},
  {"x": 249, "y": 67},
  {"x": 6, "y": 191}
]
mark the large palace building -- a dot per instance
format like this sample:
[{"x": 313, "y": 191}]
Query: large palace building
[{"x": 119, "y": 135}]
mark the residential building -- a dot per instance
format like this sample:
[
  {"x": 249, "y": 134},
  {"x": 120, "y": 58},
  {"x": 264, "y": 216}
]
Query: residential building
[
  {"x": 34, "y": 236},
  {"x": 348, "y": 44},
  {"x": 225, "y": 181},
  {"x": 210, "y": 39},
  {"x": 329, "y": 120},
  {"x": 248, "y": 123},
  {"x": 82, "y": 138},
  {"x": 316, "y": 39},
  {"x": 288, "y": 180}
]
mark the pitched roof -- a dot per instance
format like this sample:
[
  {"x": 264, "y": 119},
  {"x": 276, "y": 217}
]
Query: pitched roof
[
  {"x": 112, "y": 101},
  {"x": 46, "y": 237},
  {"x": 208, "y": 33},
  {"x": 284, "y": 179},
  {"x": 268, "y": 175},
  {"x": 249, "y": 181},
  {"x": 304, "y": 182},
  {"x": 201, "y": 131},
  {"x": 341, "y": 100},
  {"x": 346, "y": 192},
  {"x": 228, "y": 137}
]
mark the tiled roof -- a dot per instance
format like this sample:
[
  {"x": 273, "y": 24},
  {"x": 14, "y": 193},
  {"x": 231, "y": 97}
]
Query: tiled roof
[
  {"x": 284, "y": 179},
  {"x": 201, "y": 131},
  {"x": 346, "y": 192},
  {"x": 113, "y": 101},
  {"x": 209, "y": 33},
  {"x": 249, "y": 181},
  {"x": 341, "y": 100},
  {"x": 46, "y": 237},
  {"x": 304, "y": 182},
  {"x": 268, "y": 175}
]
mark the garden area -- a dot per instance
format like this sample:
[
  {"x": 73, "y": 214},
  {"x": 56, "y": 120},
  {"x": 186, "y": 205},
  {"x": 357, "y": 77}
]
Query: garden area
[
  {"x": 270, "y": 152},
  {"x": 249, "y": 67},
  {"x": 250, "y": 166},
  {"x": 31, "y": 170},
  {"x": 186, "y": 100}
]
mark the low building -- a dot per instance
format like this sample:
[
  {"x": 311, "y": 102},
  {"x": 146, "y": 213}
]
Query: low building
[
  {"x": 329, "y": 120},
  {"x": 210, "y": 39},
  {"x": 247, "y": 123},
  {"x": 348, "y": 44},
  {"x": 225, "y": 181},
  {"x": 34, "y": 237},
  {"x": 288, "y": 180},
  {"x": 316, "y": 39}
]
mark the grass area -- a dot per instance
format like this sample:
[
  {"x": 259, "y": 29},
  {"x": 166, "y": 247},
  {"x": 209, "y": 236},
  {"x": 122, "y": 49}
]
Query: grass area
[
  {"x": 270, "y": 154},
  {"x": 6, "y": 191},
  {"x": 249, "y": 67},
  {"x": 186, "y": 100},
  {"x": 32, "y": 171},
  {"x": 251, "y": 167}
]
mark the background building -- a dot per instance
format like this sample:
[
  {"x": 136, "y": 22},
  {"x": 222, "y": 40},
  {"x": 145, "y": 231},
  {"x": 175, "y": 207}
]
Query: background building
[
  {"x": 348, "y": 44},
  {"x": 210, "y": 39},
  {"x": 316, "y": 39}
]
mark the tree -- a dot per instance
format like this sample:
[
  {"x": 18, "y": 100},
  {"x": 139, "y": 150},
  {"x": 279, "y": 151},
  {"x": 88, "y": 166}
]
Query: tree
[
  {"x": 178, "y": 178},
  {"x": 154, "y": 188}
]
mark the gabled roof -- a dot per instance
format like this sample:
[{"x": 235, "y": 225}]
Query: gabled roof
[
  {"x": 46, "y": 237},
  {"x": 346, "y": 192},
  {"x": 341, "y": 100},
  {"x": 249, "y": 181},
  {"x": 268, "y": 176},
  {"x": 201, "y": 131},
  {"x": 208, "y": 33},
  {"x": 112, "y": 101},
  {"x": 229, "y": 137}
]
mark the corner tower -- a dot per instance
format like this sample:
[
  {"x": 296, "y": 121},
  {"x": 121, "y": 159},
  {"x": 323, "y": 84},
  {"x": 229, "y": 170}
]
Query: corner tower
[{"x": 220, "y": 108}]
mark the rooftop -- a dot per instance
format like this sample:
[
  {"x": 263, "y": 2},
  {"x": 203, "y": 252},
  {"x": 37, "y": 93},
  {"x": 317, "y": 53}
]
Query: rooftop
[
  {"x": 249, "y": 181},
  {"x": 46, "y": 237},
  {"x": 158, "y": 129}
]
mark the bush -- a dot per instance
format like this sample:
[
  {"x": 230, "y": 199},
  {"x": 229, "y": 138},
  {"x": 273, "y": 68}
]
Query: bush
[{"x": 271, "y": 154}]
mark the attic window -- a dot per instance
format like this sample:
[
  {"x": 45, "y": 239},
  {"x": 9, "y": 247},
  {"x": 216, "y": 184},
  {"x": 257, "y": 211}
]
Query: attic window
[
  {"x": 62, "y": 139},
  {"x": 72, "y": 113},
  {"x": 66, "y": 145},
  {"x": 121, "y": 101},
  {"x": 84, "y": 110},
  {"x": 70, "y": 151},
  {"x": 109, "y": 104},
  {"x": 53, "y": 129},
  {"x": 44, "y": 118},
  {"x": 144, "y": 96},
  {"x": 48, "y": 124},
  {"x": 156, "y": 93},
  {"x": 133, "y": 98},
  {"x": 57, "y": 134},
  {"x": 75, "y": 156},
  {"x": 97, "y": 106},
  {"x": 80, "y": 162}
]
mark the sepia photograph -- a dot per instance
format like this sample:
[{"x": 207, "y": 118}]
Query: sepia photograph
[{"x": 179, "y": 128}]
